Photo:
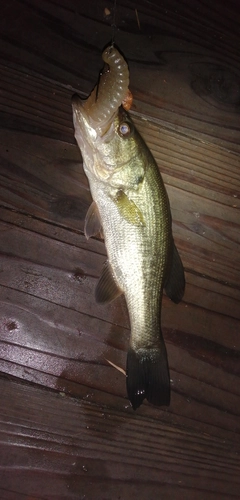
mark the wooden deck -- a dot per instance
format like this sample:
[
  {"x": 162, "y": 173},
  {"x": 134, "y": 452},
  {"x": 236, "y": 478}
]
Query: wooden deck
[{"x": 67, "y": 430}]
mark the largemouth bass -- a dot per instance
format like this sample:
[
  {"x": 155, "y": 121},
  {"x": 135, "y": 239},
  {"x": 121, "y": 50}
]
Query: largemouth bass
[{"x": 131, "y": 210}]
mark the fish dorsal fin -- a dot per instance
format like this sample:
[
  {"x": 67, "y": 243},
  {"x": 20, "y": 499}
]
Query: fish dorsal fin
[
  {"x": 128, "y": 209},
  {"x": 92, "y": 225},
  {"x": 107, "y": 288},
  {"x": 175, "y": 282}
]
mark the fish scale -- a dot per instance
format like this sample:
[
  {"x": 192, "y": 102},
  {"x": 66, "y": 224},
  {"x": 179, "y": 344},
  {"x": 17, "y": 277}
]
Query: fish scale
[{"x": 132, "y": 211}]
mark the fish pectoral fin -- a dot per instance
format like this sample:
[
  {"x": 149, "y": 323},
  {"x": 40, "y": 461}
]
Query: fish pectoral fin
[
  {"x": 107, "y": 288},
  {"x": 128, "y": 209},
  {"x": 175, "y": 283},
  {"x": 92, "y": 225}
]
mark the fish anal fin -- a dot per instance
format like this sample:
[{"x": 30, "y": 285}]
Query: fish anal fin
[
  {"x": 148, "y": 377},
  {"x": 128, "y": 209},
  {"x": 175, "y": 282},
  {"x": 107, "y": 288},
  {"x": 92, "y": 225}
]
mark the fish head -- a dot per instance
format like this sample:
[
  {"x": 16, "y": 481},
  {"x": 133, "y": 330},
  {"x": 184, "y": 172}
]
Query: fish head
[{"x": 106, "y": 146}]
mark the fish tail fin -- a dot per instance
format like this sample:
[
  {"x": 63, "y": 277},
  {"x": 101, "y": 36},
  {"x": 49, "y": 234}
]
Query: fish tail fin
[{"x": 148, "y": 376}]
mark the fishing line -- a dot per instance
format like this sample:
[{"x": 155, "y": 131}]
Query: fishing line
[{"x": 113, "y": 25}]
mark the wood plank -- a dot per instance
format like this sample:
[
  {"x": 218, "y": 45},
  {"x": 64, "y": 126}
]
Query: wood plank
[
  {"x": 57, "y": 183},
  {"x": 207, "y": 68},
  {"x": 53, "y": 333},
  {"x": 67, "y": 430},
  {"x": 78, "y": 447}
]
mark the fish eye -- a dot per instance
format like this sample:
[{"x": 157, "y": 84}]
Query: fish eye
[{"x": 125, "y": 129}]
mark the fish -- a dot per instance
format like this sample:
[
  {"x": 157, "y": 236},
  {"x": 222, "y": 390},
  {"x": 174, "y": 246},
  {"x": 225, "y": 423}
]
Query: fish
[{"x": 131, "y": 211}]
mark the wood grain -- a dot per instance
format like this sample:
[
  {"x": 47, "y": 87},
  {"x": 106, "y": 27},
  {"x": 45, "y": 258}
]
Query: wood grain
[
  {"x": 67, "y": 429},
  {"x": 82, "y": 449},
  {"x": 195, "y": 46}
]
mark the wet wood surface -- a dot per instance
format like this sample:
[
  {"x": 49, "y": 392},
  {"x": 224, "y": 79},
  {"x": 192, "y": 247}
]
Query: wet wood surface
[{"x": 67, "y": 429}]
